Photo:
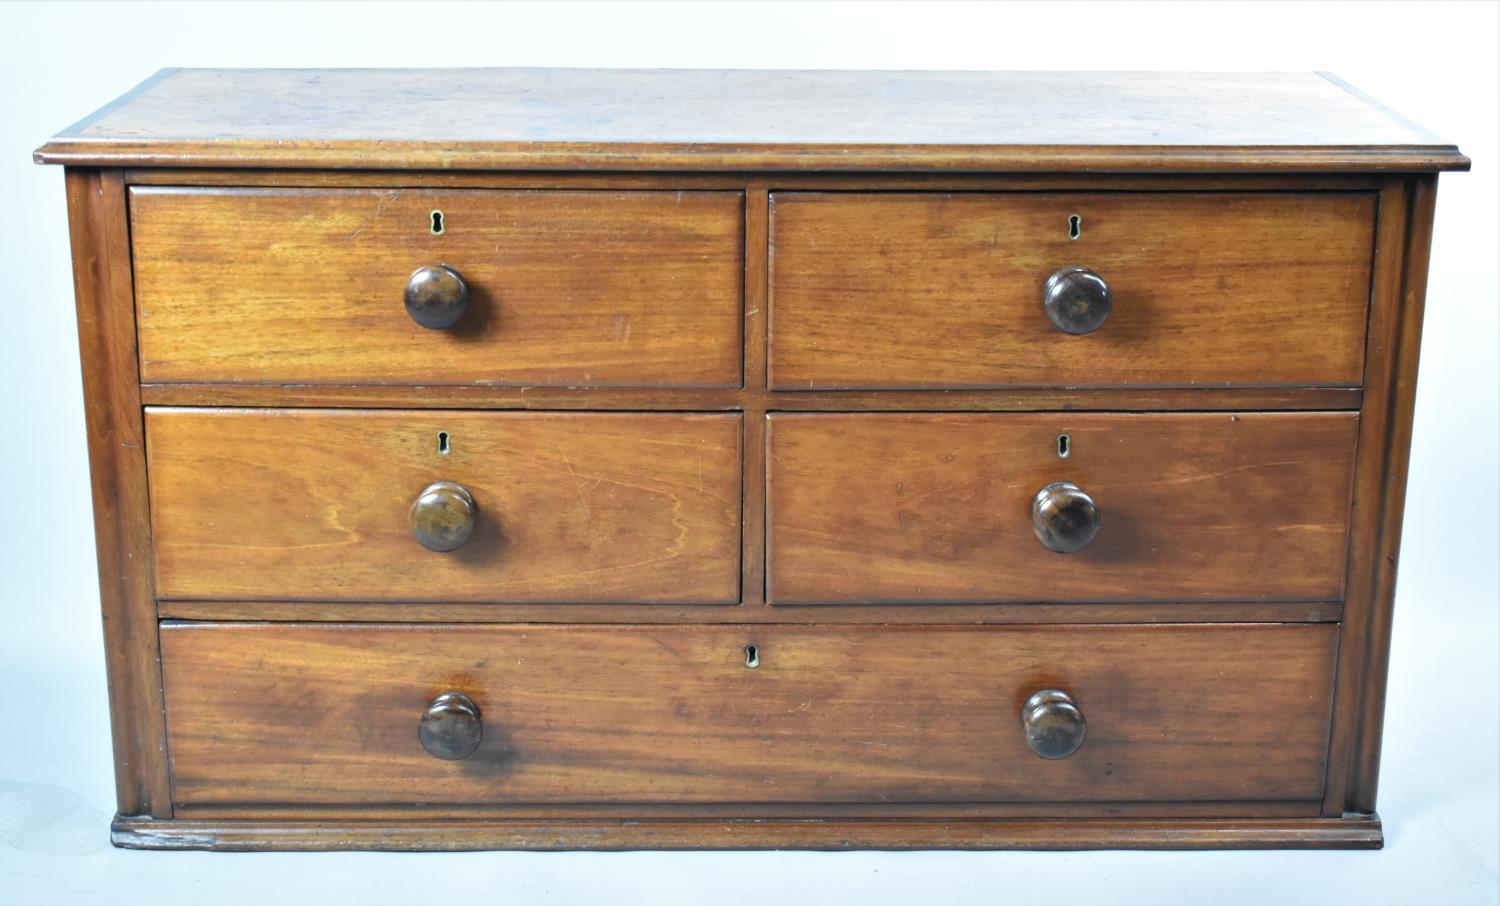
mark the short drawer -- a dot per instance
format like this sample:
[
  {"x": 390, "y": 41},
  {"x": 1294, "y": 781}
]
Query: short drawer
[
  {"x": 913, "y": 290},
  {"x": 563, "y": 288},
  {"x": 335, "y": 714},
  {"x": 944, "y": 508},
  {"x": 338, "y": 505}
]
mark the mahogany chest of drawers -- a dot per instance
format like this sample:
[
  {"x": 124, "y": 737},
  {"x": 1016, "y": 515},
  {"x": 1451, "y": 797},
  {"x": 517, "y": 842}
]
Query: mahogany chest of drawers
[{"x": 622, "y": 459}]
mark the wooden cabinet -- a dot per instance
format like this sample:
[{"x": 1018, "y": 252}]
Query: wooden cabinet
[{"x": 571, "y": 459}]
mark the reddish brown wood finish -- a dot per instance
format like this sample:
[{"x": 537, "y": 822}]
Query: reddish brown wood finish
[
  {"x": 572, "y": 507},
  {"x": 567, "y": 288},
  {"x": 288, "y": 714},
  {"x": 1365, "y": 772},
  {"x": 816, "y": 181},
  {"x": 117, "y": 463},
  {"x": 895, "y": 508},
  {"x": 1034, "y": 399},
  {"x": 698, "y": 366},
  {"x": 676, "y": 120},
  {"x": 1385, "y": 440},
  {"x": 759, "y": 811},
  {"x": 852, "y": 614},
  {"x": 754, "y": 399},
  {"x": 1356, "y": 832},
  {"x": 945, "y": 290}
]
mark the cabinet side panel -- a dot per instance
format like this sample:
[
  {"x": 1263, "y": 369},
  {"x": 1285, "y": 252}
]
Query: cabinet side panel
[
  {"x": 1403, "y": 236},
  {"x": 117, "y": 463},
  {"x": 1364, "y": 775}
]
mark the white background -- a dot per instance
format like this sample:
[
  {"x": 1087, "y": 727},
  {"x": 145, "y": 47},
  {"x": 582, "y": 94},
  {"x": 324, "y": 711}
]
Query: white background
[{"x": 1435, "y": 62}]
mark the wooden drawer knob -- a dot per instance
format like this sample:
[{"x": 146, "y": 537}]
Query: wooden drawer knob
[
  {"x": 451, "y": 728},
  {"x": 1054, "y": 726},
  {"x": 1077, "y": 300},
  {"x": 436, "y": 296},
  {"x": 1064, "y": 517},
  {"x": 442, "y": 516}
]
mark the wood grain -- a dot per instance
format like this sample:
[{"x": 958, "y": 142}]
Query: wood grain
[
  {"x": 327, "y": 713},
  {"x": 829, "y": 614},
  {"x": 1364, "y": 778},
  {"x": 766, "y": 811},
  {"x": 1407, "y": 209},
  {"x": 1014, "y": 399},
  {"x": 814, "y": 180},
  {"x": 635, "y": 119},
  {"x": 573, "y": 507},
  {"x": 1354, "y": 832},
  {"x": 567, "y": 288},
  {"x": 945, "y": 290},
  {"x": 117, "y": 468},
  {"x": 781, "y": 340},
  {"x": 929, "y": 507},
  {"x": 753, "y": 399}
]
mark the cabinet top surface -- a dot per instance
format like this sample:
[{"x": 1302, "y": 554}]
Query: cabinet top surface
[{"x": 621, "y": 119}]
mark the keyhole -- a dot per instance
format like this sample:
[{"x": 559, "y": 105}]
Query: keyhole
[
  {"x": 1075, "y": 226},
  {"x": 443, "y": 448},
  {"x": 1063, "y": 448},
  {"x": 437, "y": 223},
  {"x": 752, "y": 656}
]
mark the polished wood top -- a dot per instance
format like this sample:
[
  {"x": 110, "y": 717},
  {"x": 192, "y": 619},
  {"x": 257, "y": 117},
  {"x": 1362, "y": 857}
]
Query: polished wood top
[{"x": 748, "y": 120}]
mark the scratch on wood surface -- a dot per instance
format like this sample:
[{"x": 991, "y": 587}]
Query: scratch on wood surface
[{"x": 577, "y": 485}]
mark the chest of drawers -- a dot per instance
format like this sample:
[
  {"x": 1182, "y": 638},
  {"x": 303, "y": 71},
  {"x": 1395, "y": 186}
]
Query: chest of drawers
[{"x": 621, "y": 459}]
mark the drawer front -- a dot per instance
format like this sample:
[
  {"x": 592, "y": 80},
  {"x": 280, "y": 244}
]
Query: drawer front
[
  {"x": 938, "y": 290},
  {"x": 326, "y": 713},
  {"x": 917, "y": 508},
  {"x": 564, "y": 288},
  {"x": 563, "y": 507}
]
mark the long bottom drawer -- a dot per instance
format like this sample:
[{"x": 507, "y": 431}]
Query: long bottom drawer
[{"x": 395, "y": 715}]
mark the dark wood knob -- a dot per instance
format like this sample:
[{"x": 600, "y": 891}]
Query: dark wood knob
[
  {"x": 1077, "y": 300},
  {"x": 450, "y": 727},
  {"x": 1064, "y": 517},
  {"x": 442, "y": 516},
  {"x": 436, "y": 296},
  {"x": 1054, "y": 726}
]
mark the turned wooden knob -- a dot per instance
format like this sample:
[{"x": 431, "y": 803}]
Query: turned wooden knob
[
  {"x": 1054, "y": 726},
  {"x": 1064, "y": 517},
  {"x": 450, "y": 727},
  {"x": 1077, "y": 300},
  {"x": 436, "y": 296},
  {"x": 442, "y": 516}
]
